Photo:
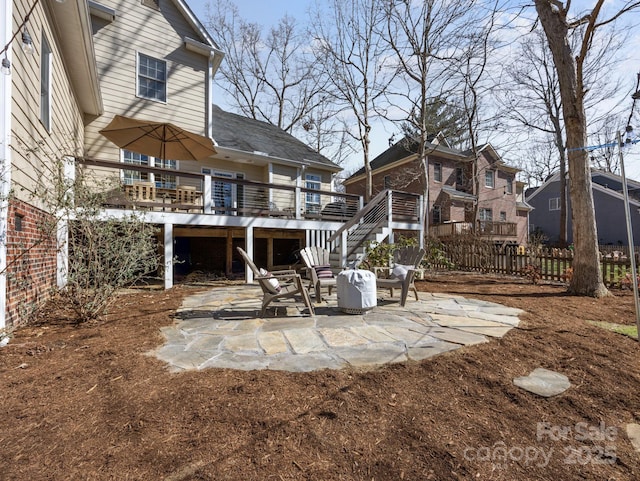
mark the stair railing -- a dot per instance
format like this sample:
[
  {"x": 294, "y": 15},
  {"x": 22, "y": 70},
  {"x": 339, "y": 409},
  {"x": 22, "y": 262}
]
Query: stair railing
[{"x": 353, "y": 234}]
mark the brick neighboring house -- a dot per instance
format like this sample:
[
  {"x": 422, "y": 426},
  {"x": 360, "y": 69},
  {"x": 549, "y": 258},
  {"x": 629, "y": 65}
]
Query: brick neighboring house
[
  {"x": 502, "y": 211},
  {"x": 608, "y": 200}
]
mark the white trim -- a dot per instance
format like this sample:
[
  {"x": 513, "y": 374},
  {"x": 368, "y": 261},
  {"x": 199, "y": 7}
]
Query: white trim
[
  {"x": 48, "y": 58},
  {"x": 168, "y": 255},
  {"x": 6, "y": 8},
  {"x": 166, "y": 80},
  {"x": 198, "y": 47}
]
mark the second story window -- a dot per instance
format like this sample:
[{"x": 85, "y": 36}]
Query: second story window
[
  {"x": 152, "y": 78},
  {"x": 387, "y": 182},
  {"x": 554, "y": 203},
  {"x": 489, "y": 179},
  {"x": 437, "y": 172},
  {"x": 503, "y": 216},
  {"x": 509, "y": 185},
  {"x": 459, "y": 178}
]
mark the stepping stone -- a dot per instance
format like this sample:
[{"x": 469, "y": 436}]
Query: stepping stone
[
  {"x": 543, "y": 382},
  {"x": 633, "y": 433}
]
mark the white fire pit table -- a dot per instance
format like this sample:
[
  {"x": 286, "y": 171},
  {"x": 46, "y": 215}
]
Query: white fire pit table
[{"x": 356, "y": 291}]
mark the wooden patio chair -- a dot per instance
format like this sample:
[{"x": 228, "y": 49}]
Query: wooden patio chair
[
  {"x": 277, "y": 284},
  {"x": 405, "y": 262},
  {"x": 144, "y": 191},
  {"x": 316, "y": 260}
]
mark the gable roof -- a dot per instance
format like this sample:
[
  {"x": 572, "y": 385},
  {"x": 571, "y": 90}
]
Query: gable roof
[
  {"x": 405, "y": 149},
  {"x": 599, "y": 180},
  {"x": 188, "y": 14},
  {"x": 238, "y": 133}
]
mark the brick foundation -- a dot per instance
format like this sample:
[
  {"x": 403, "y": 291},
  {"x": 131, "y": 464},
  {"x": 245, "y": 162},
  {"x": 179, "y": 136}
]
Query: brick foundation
[{"x": 31, "y": 261}]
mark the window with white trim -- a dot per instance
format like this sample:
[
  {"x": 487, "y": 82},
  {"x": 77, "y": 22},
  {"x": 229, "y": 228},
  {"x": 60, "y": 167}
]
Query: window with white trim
[
  {"x": 45, "y": 83},
  {"x": 485, "y": 214},
  {"x": 509, "y": 185},
  {"x": 131, "y": 176},
  {"x": 165, "y": 181},
  {"x": 489, "y": 179},
  {"x": 161, "y": 181},
  {"x": 152, "y": 78},
  {"x": 554, "y": 203},
  {"x": 312, "y": 181}
]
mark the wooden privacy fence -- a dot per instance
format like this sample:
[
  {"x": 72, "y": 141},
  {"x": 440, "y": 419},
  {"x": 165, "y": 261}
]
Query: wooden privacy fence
[{"x": 551, "y": 264}]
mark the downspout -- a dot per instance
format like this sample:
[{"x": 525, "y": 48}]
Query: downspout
[{"x": 5, "y": 156}]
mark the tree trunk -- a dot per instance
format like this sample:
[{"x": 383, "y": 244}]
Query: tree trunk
[{"x": 587, "y": 273}]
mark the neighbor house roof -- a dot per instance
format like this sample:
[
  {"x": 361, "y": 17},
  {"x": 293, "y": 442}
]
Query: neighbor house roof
[
  {"x": 457, "y": 194},
  {"x": 238, "y": 133},
  {"x": 404, "y": 150}
]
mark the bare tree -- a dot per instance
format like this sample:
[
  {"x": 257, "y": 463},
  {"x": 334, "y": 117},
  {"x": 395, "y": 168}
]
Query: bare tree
[
  {"x": 269, "y": 78},
  {"x": 350, "y": 48},
  {"x": 532, "y": 96},
  {"x": 604, "y": 154},
  {"x": 425, "y": 37},
  {"x": 569, "y": 64},
  {"x": 442, "y": 51}
]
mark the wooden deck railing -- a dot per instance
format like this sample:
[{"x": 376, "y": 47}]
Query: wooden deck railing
[{"x": 483, "y": 228}]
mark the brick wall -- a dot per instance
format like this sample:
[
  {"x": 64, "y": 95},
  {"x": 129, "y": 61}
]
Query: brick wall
[{"x": 31, "y": 260}]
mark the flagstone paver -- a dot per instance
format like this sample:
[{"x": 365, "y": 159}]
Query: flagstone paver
[{"x": 219, "y": 328}]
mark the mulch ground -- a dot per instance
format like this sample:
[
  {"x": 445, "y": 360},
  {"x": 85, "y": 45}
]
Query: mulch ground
[{"x": 85, "y": 402}]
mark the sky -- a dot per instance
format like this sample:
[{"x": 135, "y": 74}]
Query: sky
[{"x": 269, "y": 12}]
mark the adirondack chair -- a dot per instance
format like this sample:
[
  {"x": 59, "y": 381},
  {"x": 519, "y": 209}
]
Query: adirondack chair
[
  {"x": 316, "y": 259},
  {"x": 277, "y": 284},
  {"x": 405, "y": 261}
]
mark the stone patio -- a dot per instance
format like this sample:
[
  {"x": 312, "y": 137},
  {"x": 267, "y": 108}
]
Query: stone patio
[{"x": 219, "y": 328}]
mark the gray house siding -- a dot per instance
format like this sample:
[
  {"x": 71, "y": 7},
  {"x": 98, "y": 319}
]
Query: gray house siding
[{"x": 610, "y": 215}]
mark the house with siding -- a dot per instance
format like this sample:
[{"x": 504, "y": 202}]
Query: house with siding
[
  {"x": 608, "y": 200},
  {"x": 151, "y": 60},
  {"x": 454, "y": 190}
]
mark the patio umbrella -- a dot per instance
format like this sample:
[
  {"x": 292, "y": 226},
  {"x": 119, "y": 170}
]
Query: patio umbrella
[{"x": 162, "y": 140}]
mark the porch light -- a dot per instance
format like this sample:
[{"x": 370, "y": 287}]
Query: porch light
[
  {"x": 6, "y": 66},
  {"x": 27, "y": 43}
]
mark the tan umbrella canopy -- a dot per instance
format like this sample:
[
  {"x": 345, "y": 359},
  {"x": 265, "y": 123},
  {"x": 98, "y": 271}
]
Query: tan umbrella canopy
[{"x": 158, "y": 139}]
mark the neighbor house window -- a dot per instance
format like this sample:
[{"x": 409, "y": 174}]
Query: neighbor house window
[
  {"x": 509, "y": 186},
  {"x": 152, "y": 78},
  {"x": 437, "y": 172},
  {"x": 460, "y": 180},
  {"x": 387, "y": 182},
  {"x": 45, "y": 83},
  {"x": 313, "y": 181},
  {"x": 486, "y": 214},
  {"x": 554, "y": 203},
  {"x": 503, "y": 216},
  {"x": 437, "y": 214},
  {"x": 489, "y": 179}
]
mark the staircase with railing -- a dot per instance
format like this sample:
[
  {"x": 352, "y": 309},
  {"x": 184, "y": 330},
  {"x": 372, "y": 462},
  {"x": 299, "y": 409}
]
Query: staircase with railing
[{"x": 386, "y": 213}]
